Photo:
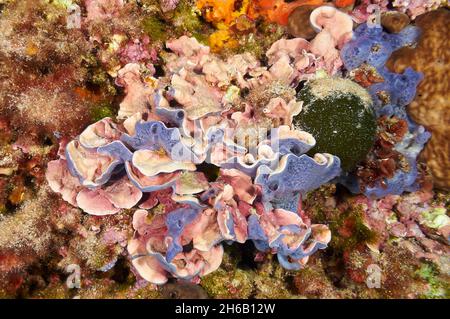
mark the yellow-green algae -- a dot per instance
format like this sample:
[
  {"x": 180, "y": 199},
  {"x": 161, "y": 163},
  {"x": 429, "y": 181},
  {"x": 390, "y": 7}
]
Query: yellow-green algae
[
  {"x": 101, "y": 111},
  {"x": 226, "y": 284},
  {"x": 438, "y": 288},
  {"x": 184, "y": 19},
  {"x": 271, "y": 280}
]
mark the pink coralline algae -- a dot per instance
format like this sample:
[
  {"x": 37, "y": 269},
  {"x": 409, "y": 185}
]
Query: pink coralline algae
[
  {"x": 102, "y": 9},
  {"x": 334, "y": 30},
  {"x": 369, "y": 11},
  {"x": 137, "y": 92},
  {"x": 415, "y": 8},
  {"x": 234, "y": 116},
  {"x": 168, "y": 5},
  {"x": 137, "y": 51},
  {"x": 409, "y": 216}
]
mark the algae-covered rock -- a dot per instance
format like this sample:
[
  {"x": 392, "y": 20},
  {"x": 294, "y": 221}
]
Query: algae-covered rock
[
  {"x": 338, "y": 113},
  {"x": 183, "y": 290},
  {"x": 271, "y": 281},
  {"x": 101, "y": 111},
  {"x": 228, "y": 284}
]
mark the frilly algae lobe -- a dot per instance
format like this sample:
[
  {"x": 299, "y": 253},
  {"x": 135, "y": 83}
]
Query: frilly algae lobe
[{"x": 340, "y": 117}]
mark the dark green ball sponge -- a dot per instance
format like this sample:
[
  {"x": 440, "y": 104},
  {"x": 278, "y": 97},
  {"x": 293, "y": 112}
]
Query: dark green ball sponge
[{"x": 339, "y": 114}]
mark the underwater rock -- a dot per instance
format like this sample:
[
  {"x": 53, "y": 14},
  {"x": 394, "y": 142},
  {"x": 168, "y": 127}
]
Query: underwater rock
[
  {"x": 394, "y": 22},
  {"x": 193, "y": 173},
  {"x": 168, "y": 5},
  {"x": 390, "y": 232},
  {"x": 26, "y": 238},
  {"x": 183, "y": 290},
  {"x": 340, "y": 115},
  {"x": 412, "y": 216},
  {"x": 229, "y": 283},
  {"x": 43, "y": 71},
  {"x": 430, "y": 107},
  {"x": 313, "y": 282},
  {"x": 102, "y": 9}
]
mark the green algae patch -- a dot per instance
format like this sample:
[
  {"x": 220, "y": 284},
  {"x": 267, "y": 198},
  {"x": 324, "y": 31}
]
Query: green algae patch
[
  {"x": 272, "y": 280},
  {"x": 225, "y": 284},
  {"x": 435, "y": 218},
  {"x": 185, "y": 17},
  {"x": 155, "y": 28},
  {"x": 259, "y": 41},
  {"x": 101, "y": 111},
  {"x": 338, "y": 113},
  {"x": 350, "y": 230},
  {"x": 438, "y": 288}
]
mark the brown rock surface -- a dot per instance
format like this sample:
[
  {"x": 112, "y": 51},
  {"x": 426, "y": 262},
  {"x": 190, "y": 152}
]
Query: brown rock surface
[
  {"x": 431, "y": 106},
  {"x": 298, "y": 23},
  {"x": 394, "y": 21}
]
